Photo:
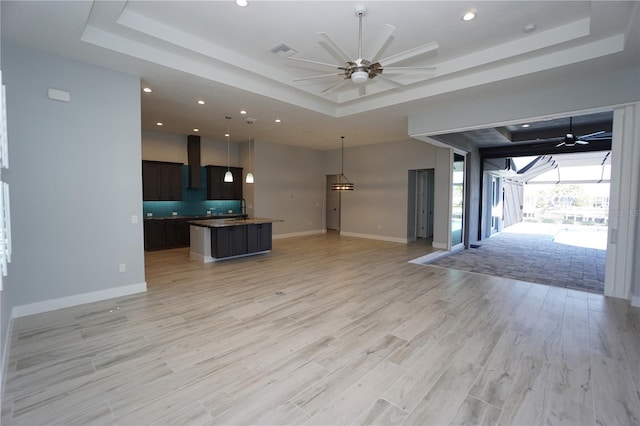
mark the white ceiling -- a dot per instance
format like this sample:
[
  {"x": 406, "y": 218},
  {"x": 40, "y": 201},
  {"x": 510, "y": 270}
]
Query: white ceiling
[{"x": 220, "y": 53}]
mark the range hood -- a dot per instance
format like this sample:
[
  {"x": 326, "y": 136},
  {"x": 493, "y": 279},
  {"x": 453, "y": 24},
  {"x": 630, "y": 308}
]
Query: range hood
[{"x": 193, "y": 156}]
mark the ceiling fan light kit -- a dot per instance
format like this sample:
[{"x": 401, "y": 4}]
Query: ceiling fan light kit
[{"x": 359, "y": 77}]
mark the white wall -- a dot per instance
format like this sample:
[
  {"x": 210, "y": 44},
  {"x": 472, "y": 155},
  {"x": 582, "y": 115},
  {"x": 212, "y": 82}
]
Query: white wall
[{"x": 75, "y": 182}]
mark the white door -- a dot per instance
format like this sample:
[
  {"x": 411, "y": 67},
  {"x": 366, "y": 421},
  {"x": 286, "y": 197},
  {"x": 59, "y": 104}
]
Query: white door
[{"x": 333, "y": 204}]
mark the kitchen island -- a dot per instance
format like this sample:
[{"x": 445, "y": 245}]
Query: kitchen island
[{"x": 220, "y": 239}]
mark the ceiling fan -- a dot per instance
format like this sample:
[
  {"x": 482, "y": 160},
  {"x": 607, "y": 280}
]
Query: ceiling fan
[
  {"x": 362, "y": 69},
  {"x": 570, "y": 139}
]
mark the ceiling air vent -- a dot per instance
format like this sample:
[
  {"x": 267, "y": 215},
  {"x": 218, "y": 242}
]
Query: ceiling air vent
[{"x": 283, "y": 50}]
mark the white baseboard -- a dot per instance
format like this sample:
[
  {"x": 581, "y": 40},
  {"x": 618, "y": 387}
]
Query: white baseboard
[
  {"x": 439, "y": 245},
  {"x": 78, "y": 299},
  {"x": 374, "y": 237},
  {"x": 299, "y": 234},
  {"x": 635, "y": 301}
]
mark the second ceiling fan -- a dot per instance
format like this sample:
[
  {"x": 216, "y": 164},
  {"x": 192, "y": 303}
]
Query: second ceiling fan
[
  {"x": 570, "y": 139},
  {"x": 364, "y": 68}
]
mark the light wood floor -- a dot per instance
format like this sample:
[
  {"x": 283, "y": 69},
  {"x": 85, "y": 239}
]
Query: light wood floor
[{"x": 328, "y": 330}]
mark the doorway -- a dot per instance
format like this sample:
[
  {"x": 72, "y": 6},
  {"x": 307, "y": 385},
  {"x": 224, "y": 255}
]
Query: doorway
[
  {"x": 420, "y": 205},
  {"x": 424, "y": 212},
  {"x": 332, "y": 214}
]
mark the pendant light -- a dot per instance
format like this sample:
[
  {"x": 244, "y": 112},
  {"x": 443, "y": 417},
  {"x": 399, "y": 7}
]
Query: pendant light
[
  {"x": 343, "y": 183},
  {"x": 228, "y": 176},
  {"x": 249, "y": 178}
]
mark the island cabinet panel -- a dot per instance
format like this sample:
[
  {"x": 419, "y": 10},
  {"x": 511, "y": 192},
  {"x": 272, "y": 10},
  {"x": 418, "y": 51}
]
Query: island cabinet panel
[
  {"x": 218, "y": 189},
  {"x": 258, "y": 237},
  {"x": 161, "y": 181},
  {"x": 228, "y": 241}
]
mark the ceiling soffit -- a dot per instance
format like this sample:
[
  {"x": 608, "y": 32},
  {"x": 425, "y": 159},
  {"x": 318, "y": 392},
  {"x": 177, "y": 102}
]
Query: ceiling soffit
[{"x": 128, "y": 28}]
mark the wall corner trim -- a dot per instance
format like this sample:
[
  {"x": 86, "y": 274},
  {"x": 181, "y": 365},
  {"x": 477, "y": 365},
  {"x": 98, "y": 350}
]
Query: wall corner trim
[{"x": 78, "y": 299}]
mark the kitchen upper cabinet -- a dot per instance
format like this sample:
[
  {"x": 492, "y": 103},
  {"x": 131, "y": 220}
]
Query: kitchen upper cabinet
[
  {"x": 218, "y": 189},
  {"x": 161, "y": 181}
]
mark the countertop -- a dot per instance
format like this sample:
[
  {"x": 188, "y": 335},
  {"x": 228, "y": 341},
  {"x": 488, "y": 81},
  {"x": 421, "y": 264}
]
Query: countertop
[
  {"x": 221, "y": 223},
  {"x": 196, "y": 217}
]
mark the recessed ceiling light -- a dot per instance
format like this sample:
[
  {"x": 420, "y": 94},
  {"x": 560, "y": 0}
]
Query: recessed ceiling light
[
  {"x": 469, "y": 15},
  {"x": 201, "y": 102},
  {"x": 196, "y": 130},
  {"x": 529, "y": 28},
  {"x": 147, "y": 90},
  {"x": 159, "y": 123},
  {"x": 243, "y": 112},
  {"x": 242, "y": 3},
  {"x": 278, "y": 120},
  {"x": 526, "y": 125}
]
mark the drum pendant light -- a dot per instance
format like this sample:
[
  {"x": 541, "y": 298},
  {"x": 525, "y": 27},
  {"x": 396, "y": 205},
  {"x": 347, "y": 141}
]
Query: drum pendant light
[
  {"x": 228, "y": 176},
  {"x": 343, "y": 183}
]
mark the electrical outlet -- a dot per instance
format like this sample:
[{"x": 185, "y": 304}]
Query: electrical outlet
[
  {"x": 134, "y": 219},
  {"x": 175, "y": 213},
  {"x": 122, "y": 267},
  {"x": 149, "y": 214}
]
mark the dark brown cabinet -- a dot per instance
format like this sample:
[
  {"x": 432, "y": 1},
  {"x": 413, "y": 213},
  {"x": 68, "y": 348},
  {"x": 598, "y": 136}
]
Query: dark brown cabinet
[
  {"x": 228, "y": 241},
  {"x": 161, "y": 181},
  {"x": 258, "y": 237},
  {"x": 218, "y": 189},
  {"x": 162, "y": 234},
  {"x": 237, "y": 240}
]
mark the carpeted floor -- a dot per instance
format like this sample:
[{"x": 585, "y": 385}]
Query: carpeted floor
[{"x": 535, "y": 258}]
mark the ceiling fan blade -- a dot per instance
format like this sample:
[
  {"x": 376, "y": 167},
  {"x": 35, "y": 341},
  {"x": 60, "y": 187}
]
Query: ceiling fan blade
[
  {"x": 382, "y": 41},
  {"x": 560, "y": 144},
  {"x": 592, "y": 134},
  {"x": 317, "y": 76},
  {"x": 389, "y": 81},
  {"x": 409, "y": 70},
  {"x": 336, "y": 86},
  {"x": 333, "y": 47},
  {"x": 411, "y": 53},
  {"x": 362, "y": 90},
  {"x": 309, "y": 61}
]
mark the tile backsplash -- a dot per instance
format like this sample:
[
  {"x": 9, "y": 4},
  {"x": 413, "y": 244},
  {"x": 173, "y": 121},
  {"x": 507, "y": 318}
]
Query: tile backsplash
[{"x": 194, "y": 202}]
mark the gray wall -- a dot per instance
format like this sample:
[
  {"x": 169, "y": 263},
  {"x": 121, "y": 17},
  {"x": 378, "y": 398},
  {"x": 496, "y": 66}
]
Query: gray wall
[
  {"x": 157, "y": 146},
  {"x": 378, "y": 206},
  {"x": 289, "y": 186},
  {"x": 75, "y": 179}
]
